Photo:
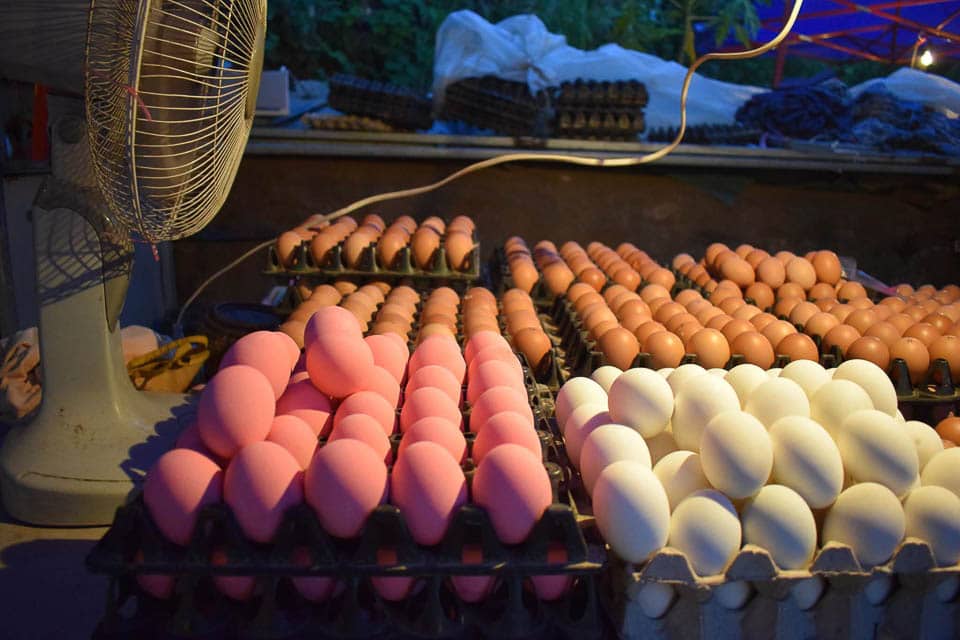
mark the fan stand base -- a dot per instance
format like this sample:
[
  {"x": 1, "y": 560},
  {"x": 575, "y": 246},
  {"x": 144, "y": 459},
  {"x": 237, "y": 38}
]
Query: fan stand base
[{"x": 95, "y": 435}]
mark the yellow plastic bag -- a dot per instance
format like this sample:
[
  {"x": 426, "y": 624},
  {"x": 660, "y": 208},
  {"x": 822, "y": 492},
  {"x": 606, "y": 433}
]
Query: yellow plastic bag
[{"x": 172, "y": 367}]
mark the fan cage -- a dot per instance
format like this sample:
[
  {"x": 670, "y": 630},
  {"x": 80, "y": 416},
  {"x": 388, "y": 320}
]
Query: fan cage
[{"x": 170, "y": 92}]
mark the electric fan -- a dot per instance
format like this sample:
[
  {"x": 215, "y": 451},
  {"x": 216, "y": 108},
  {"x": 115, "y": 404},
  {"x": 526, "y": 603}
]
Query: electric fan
[{"x": 169, "y": 89}]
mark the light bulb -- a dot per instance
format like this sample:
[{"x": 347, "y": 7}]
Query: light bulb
[{"x": 926, "y": 58}]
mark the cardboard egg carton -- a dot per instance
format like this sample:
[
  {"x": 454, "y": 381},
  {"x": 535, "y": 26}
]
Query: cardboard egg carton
[{"x": 836, "y": 597}]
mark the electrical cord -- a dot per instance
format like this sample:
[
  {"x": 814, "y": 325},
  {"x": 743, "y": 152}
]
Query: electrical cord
[{"x": 627, "y": 161}]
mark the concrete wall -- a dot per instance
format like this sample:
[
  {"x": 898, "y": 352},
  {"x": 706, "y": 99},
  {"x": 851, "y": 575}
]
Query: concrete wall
[{"x": 898, "y": 227}]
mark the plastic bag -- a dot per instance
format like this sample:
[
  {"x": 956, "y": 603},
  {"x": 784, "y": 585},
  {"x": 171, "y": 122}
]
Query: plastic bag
[
  {"x": 910, "y": 84},
  {"x": 520, "y": 48}
]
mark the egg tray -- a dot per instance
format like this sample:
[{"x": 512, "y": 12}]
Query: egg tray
[
  {"x": 719, "y": 134},
  {"x": 600, "y": 94},
  {"x": 599, "y": 124},
  {"x": 397, "y": 106},
  {"x": 505, "y": 106},
  {"x": 369, "y": 265}
]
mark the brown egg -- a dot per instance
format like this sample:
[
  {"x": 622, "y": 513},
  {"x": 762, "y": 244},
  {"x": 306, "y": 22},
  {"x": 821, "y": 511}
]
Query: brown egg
[
  {"x": 801, "y": 272},
  {"x": 746, "y": 312},
  {"x": 952, "y": 311},
  {"x": 731, "y": 304},
  {"x": 761, "y": 320},
  {"x": 851, "y": 291},
  {"x": 424, "y": 245},
  {"x": 820, "y": 291},
  {"x": 557, "y": 277},
  {"x": 761, "y": 293},
  {"x": 661, "y": 276},
  {"x": 686, "y": 331},
  {"x": 286, "y": 248},
  {"x": 916, "y": 312},
  {"x": 842, "y": 336},
  {"x": 783, "y": 308},
  {"x": 930, "y": 306},
  {"x": 304, "y": 291},
  {"x": 798, "y": 346},
  {"x": 634, "y": 308},
  {"x": 436, "y": 329},
  {"x": 294, "y": 329},
  {"x": 585, "y": 301},
  {"x": 924, "y": 332},
  {"x": 578, "y": 289},
  {"x": 904, "y": 290},
  {"x": 598, "y": 330},
  {"x": 708, "y": 314},
  {"x": 533, "y": 344},
  {"x": 667, "y": 311},
  {"x": 674, "y": 322},
  {"x": 372, "y": 291},
  {"x": 738, "y": 270},
  {"x": 744, "y": 250},
  {"x": 825, "y": 304},
  {"x": 819, "y": 323},
  {"x": 777, "y": 331},
  {"x": 861, "y": 303},
  {"x": 715, "y": 249},
  {"x": 626, "y": 276},
  {"x": 755, "y": 257},
  {"x": 841, "y": 311},
  {"x": 719, "y": 296},
  {"x": 435, "y": 224},
  {"x": 684, "y": 297},
  {"x": 754, "y": 348},
  {"x": 448, "y": 294},
  {"x": 711, "y": 348},
  {"x": 478, "y": 295},
  {"x": 894, "y": 303},
  {"x": 356, "y": 244},
  {"x": 444, "y": 319},
  {"x": 389, "y": 246},
  {"x": 403, "y": 292},
  {"x": 634, "y": 321},
  {"x": 735, "y": 327},
  {"x": 861, "y": 320},
  {"x": 682, "y": 259},
  {"x": 771, "y": 272},
  {"x": 869, "y": 348},
  {"x": 620, "y": 347},
  {"x": 947, "y": 347},
  {"x": 325, "y": 294},
  {"x": 885, "y": 331},
  {"x": 597, "y": 315},
  {"x": 949, "y": 429},
  {"x": 320, "y": 246},
  {"x": 939, "y": 321},
  {"x": 882, "y": 312},
  {"x": 914, "y": 353},
  {"x": 475, "y": 324},
  {"x": 718, "y": 322},
  {"x": 458, "y": 246},
  {"x": 801, "y": 313},
  {"x": 721, "y": 259},
  {"x": 645, "y": 330},
  {"x": 665, "y": 349},
  {"x": 827, "y": 266},
  {"x": 381, "y": 326},
  {"x": 593, "y": 277},
  {"x": 791, "y": 290},
  {"x": 697, "y": 305},
  {"x": 464, "y": 222}
]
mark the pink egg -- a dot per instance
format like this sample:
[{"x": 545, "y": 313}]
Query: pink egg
[
  {"x": 512, "y": 485},
  {"x": 391, "y": 353},
  {"x": 190, "y": 439},
  {"x": 235, "y": 587},
  {"x": 493, "y": 401},
  {"x": 472, "y": 588},
  {"x": 553, "y": 587},
  {"x": 261, "y": 483},
  {"x": 437, "y": 377},
  {"x": 177, "y": 487},
  {"x": 429, "y": 401},
  {"x": 371, "y": 404},
  {"x": 265, "y": 352},
  {"x": 503, "y": 428},
  {"x": 393, "y": 589},
  {"x": 314, "y": 589},
  {"x": 296, "y": 436},
  {"x": 235, "y": 409},
  {"x": 332, "y": 321},
  {"x": 481, "y": 340},
  {"x": 291, "y": 347},
  {"x": 304, "y": 400},
  {"x": 494, "y": 352},
  {"x": 439, "y": 430},
  {"x": 345, "y": 482},
  {"x": 493, "y": 373},
  {"x": 157, "y": 585},
  {"x": 339, "y": 365},
  {"x": 428, "y": 486},
  {"x": 366, "y": 429},
  {"x": 384, "y": 384},
  {"x": 441, "y": 350}
]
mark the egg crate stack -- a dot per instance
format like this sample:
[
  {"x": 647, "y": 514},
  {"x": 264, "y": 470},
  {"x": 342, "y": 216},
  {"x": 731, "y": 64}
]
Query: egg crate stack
[
  {"x": 605, "y": 110},
  {"x": 720, "y": 134},
  {"x": 326, "y": 122},
  {"x": 397, "y": 106},
  {"x": 306, "y": 268},
  {"x": 505, "y": 106}
]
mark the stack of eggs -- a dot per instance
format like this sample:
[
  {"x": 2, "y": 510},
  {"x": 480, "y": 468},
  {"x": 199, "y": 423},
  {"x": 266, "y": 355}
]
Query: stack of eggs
[
  {"x": 261, "y": 417},
  {"x": 315, "y": 225},
  {"x": 706, "y": 461},
  {"x": 524, "y": 328},
  {"x": 457, "y": 242}
]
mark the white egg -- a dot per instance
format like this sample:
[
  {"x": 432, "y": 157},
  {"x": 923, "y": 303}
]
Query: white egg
[
  {"x": 867, "y": 517},
  {"x": 942, "y": 470},
  {"x": 779, "y": 520},
  {"x": 665, "y": 372},
  {"x": 874, "y": 381},
  {"x": 632, "y": 510},
  {"x": 606, "y": 445},
  {"x": 925, "y": 438},
  {"x": 775, "y": 399},
  {"x": 641, "y": 399},
  {"x": 834, "y": 401},
  {"x": 705, "y": 527},
  {"x": 655, "y": 599},
  {"x": 874, "y": 448},
  {"x": 808, "y": 374},
  {"x": 933, "y": 515},
  {"x": 580, "y": 424},
  {"x": 734, "y": 594},
  {"x": 774, "y": 373},
  {"x": 605, "y": 375},
  {"x": 699, "y": 401},
  {"x": 899, "y": 417},
  {"x": 832, "y": 371},
  {"x": 744, "y": 378},
  {"x": 660, "y": 445},
  {"x": 807, "y": 592},
  {"x": 806, "y": 459},
  {"x": 575, "y": 392},
  {"x": 736, "y": 454},
  {"x": 680, "y": 474},
  {"x": 679, "y": 376},
  {"x": 717, "y": 371}
]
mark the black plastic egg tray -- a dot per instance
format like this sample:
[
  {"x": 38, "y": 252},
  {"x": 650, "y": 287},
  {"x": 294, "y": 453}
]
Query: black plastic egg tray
[
  {"x": 397, "y": 106},
  {"x": 505, "y": 106},
  {"x": 707, "y": 134}
]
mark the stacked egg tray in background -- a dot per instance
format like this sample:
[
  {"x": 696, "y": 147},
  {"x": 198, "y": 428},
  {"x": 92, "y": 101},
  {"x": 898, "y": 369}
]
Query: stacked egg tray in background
[
  {"x": 429, "y": 254},
  {"x": 397, "y": 106},
  {"x": 134, "y": 549}
]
